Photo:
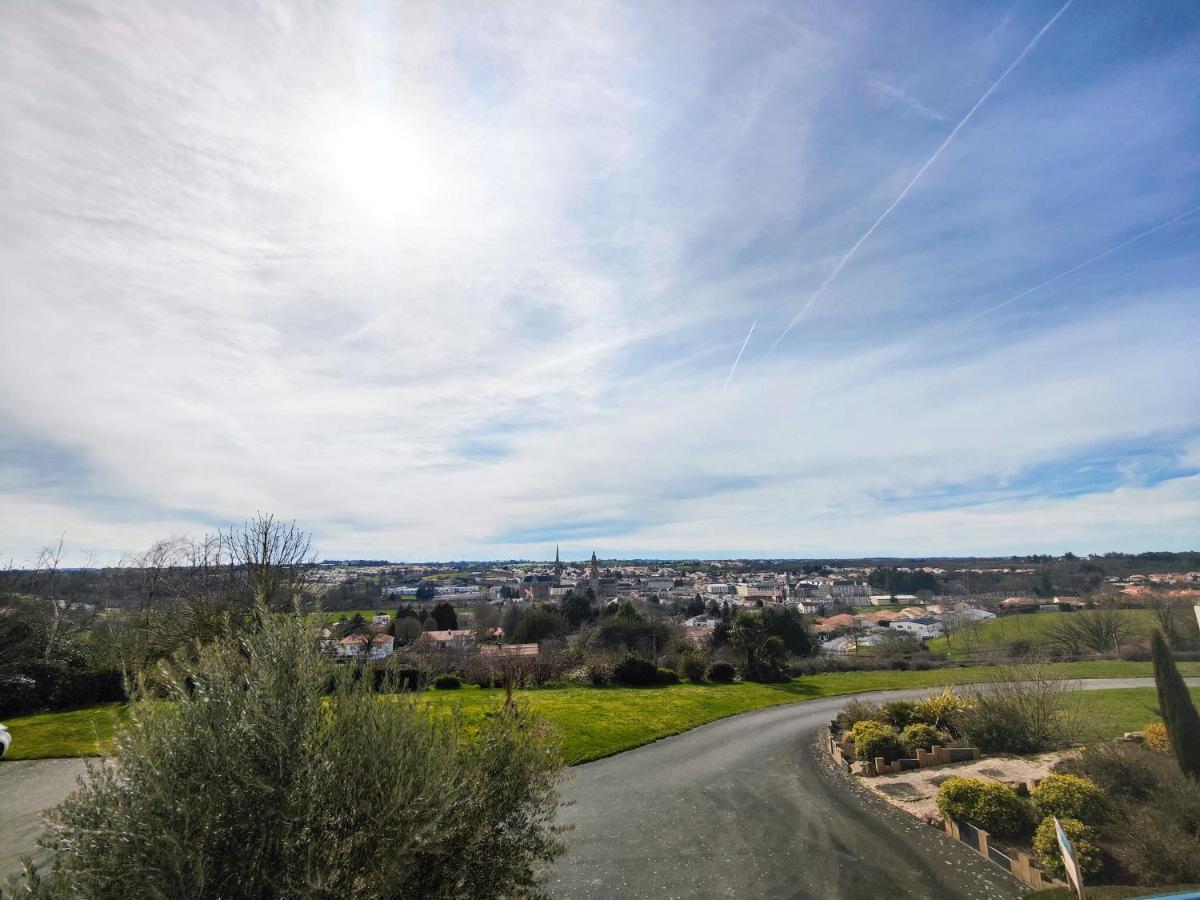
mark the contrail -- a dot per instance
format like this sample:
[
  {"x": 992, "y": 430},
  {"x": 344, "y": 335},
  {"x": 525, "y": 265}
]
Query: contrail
[
  {"x": 1084, "y": 264},
  {"x": 920, "y": 172},
  {"x": 745, "y": 343}
]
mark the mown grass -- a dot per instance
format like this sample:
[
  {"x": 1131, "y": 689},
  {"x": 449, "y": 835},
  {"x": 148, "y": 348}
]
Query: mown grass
[
  {"x": 597, "y": 722},
  {"x": 1109, "y": 713},
  {"x": 999, "y": 633},
  {"x": 1112, "y": 892},
  {"x": 72, "y": 732}
]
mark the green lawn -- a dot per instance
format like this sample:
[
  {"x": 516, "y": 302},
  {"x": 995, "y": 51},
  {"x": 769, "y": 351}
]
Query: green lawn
[
  {"x": 596, "y": 722},
  {"x": 1113, "y": 712},
  {"x": 73, "y": 732},
  {"x": 999, "y": 633},
  {"x": 1111, "y": 892}
]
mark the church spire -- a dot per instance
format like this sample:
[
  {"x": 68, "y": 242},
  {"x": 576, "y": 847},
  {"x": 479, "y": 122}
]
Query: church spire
[
  {"x": 557, "y": 562},
  {"x": 594, "y": 576}
]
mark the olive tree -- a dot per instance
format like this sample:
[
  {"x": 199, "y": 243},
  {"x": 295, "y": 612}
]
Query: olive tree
[{"x": 272, "y": 772}]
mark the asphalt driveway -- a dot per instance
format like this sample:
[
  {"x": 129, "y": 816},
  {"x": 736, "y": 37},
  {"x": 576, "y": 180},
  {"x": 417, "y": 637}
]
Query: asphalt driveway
[
  {"x": 751, "y": 806},
  {"x": 27, "y": 789}
]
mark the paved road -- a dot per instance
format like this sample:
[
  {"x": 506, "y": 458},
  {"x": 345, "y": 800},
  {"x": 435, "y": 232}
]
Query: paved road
[
  {"x": 27, "y": 788},
  {"x": 750, "y": 807}
]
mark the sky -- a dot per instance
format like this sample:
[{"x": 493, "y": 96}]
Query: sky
[{"x": 469, "y": 280}]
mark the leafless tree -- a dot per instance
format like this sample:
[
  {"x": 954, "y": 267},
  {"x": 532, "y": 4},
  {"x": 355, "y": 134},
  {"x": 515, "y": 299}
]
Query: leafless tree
[{"x": 273, "y": 558}]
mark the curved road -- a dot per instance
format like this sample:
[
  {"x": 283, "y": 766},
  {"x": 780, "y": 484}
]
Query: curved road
[{"x": 751, "y": 806}]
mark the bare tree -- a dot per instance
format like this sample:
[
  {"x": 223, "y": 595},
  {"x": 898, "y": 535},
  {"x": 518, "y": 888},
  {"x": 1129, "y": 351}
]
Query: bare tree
[{"x": 274, "y": 560}]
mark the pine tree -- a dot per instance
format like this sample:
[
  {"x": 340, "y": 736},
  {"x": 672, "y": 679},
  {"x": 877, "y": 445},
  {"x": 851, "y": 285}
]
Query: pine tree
[{"x": 1175, "y": 704}]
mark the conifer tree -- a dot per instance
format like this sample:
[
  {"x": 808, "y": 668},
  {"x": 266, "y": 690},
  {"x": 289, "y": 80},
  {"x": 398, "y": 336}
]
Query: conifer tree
[{"x": 1175, "y": 704}]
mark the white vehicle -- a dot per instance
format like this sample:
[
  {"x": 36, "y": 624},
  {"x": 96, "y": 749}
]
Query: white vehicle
[{"x": 5, "y": 740}]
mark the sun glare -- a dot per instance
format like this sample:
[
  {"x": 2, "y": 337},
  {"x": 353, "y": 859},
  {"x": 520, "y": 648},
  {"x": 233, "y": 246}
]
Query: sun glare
[{"x": 383, "y": 168}]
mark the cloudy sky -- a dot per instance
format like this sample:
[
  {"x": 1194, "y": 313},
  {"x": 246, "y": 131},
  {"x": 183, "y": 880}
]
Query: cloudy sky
[{"x": 464, "y": 280}]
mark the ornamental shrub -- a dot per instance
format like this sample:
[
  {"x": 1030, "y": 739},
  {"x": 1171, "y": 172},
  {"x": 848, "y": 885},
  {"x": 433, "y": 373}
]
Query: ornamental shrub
[
  {"x": 990, "y": 805},
  {"x": 880, "y": 742},
  {"x": 863, "y": 727},
  {"x": 1155, "y": 737},
  {"x": 1178, "y": 711},
  {"x": 447, "y": 683},
  {"x": 256, "y": 782},
  {"x": 897, "y": 713},
  {"x": 722, "y": 672},
  {"x": 919, "y": 736},
  {"x": 858, "y": 711},
  {"x": 1087, "y": 851},
  {"x": 667, "y": 676},
  {"x": 940, "y": 710},
  {"x": 635, "y": 672},
  {"x": 1070, "y": 797}
]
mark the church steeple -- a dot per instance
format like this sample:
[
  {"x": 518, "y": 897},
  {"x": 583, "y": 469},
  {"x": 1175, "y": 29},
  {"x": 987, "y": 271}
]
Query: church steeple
[
  {"x": 557, "y": 563},
  {"x": 594, "y": 576}
]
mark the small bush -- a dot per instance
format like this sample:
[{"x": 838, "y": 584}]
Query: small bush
[
  {"x": 447, "y": 683},
  {"x": 1070, "y": 797},
  {"x": 897, "y": 713},
  {"x": 667, "y": 676},
  {"x": 875, "y": 743},
  {"x": 635, "y": 672},
  {"x": 722, "y": 672},
  {"x": 940, "y": 710},
  {"x": 1155, "y": 737},
  {"x": 1020, "y": 648},
  {"x": 989, "y": 805},
  {"x": 863, "y": 727},
  {"x": 1158, "y": 838},
  {"x": 1123, "y": 771},
  {"x": 691, "y": 665},
  {"x": 859, "y": 711},
  {"x": 1087, "y": 851},
  {"x": 919, "y": 736}
]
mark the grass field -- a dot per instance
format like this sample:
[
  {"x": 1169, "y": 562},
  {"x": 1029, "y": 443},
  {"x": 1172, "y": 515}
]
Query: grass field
[
  {"x": 597, "y": 722},
  {"x": 999, "y": 633}
]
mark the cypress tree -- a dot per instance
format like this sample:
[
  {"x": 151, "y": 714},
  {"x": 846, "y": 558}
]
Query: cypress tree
[{"x": 1175, "y": 704}]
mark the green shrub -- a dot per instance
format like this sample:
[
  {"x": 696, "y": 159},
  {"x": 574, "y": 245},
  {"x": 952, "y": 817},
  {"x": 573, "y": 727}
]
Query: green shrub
[
  {"x": 918, "y": 735},
  {"x": 1049, "y": 856},
  {"x": 256, "y": 783},
  {"x": 722, "y": 672},
  {"x": 1121, "y": 770},
  {"x": 1159, "y": 840},
  {"x": 994, "y": 807},
  {"x": 863, "y": 727},
  {"x": 447, "y": 683},
  {"x": 940, "y": 710},
  {"x": 876, "y": 743},
  {"x": 858, "y": 711},
  {"x": 897, "y": 713},
  {"x": 1070, "y": 797},
  {"x": 635, "y": 672},
  {"x": 667, "y": 676},
  {"x": 692, "y": 665}
]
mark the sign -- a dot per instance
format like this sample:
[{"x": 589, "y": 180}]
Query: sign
[{"x": 1070, "y": 863}]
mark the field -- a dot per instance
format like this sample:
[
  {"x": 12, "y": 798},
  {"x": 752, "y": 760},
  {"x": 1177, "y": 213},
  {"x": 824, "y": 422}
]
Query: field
[
  {"x": 597, "y": 722},
  {"x": 997, "y": 634}
]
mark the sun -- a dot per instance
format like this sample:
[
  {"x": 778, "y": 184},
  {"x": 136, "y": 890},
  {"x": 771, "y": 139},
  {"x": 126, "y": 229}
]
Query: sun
[{"x": 382, "y": 167}]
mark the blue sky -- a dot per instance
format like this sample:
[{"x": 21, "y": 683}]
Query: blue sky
[{"x": 467, "y": 280}]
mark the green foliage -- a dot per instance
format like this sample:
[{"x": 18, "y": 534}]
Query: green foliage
[
  {"x": 426, "y": 591},
  {"x": 635, "y": 672},
  {"x": 859, "y": 711},
  {"x": 537, "y": 624},
  {"x": 919, "y": 736},
  {"x": 445, "y": 616},
  {"x": 667, "y": 676},
  {"x": 447, "y": 683},
  {"x": 1083, "y": 838},
  {"x": 786, "y": 623},
  {"x": 1175, "y": 703},
  {"x": 1070, "y": 797},
  {"x": 577, "y": 609},
  {"x": 880, "y": 741},
  {"x": 897, "y": 713},
  {"x": 253, "y": 783},
  {"x": 692, "y": 665},
  {"x": 994, "y": 807},
  {"x": 766, "y": 655},
  {"x": 940, "y": 710},
  {"x": 722, "y": 673},
  {"x": 1024, "y": 711}
]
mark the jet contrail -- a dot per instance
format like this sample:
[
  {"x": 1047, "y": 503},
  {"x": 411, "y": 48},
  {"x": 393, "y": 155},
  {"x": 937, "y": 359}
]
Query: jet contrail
[
  {"x": 1076, "y": 268},
  {"x": 929, "y": 162},
  {"x": 745, "y": 343}
]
